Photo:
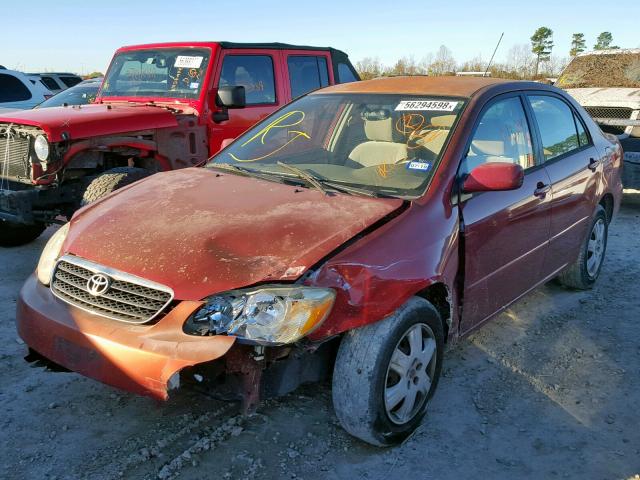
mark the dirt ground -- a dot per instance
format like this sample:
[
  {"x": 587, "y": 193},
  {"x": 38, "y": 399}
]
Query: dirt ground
[{"x": 549, "y": 389}]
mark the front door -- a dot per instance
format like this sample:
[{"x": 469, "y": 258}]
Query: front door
[{"x": 506, "y": 234}]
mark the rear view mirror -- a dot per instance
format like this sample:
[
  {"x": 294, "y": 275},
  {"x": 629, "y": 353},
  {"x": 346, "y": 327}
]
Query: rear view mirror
[
  {"x": 494, "y": 177},
  {"x": 231, "y": 97}
]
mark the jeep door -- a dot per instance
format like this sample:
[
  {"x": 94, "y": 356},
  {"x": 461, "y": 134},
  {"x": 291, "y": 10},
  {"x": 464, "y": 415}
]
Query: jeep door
[
  {"x": 262, "y": 75},
  {"x": 572, "y": 162},
  {"x": 505, "y": 233}
]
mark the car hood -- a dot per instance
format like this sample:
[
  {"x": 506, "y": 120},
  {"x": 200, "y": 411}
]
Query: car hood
[
  {"x": 200, "y": 231},
  {"x": 92, "y": 120},
  {"x": 606, "y": 97}
]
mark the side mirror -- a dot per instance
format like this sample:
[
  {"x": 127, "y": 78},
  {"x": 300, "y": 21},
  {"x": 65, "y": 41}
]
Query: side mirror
[
  {"x": 231, "y": 97},
  {"x": 494, "y": 177}
]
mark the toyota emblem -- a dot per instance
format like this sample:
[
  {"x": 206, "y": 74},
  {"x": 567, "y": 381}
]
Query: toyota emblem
[{"x": 98, "y": 284}]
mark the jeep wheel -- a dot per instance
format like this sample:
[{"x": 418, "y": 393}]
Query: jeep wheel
[
  {"x": 110, "y": 181},
  {"x": 583, "y": 273},
  {"x": 386, "y": 372},
  {"x": 16, "y": 234}
]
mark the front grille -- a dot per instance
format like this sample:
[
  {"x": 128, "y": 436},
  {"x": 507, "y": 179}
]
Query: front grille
[
  {"x": 127, "y": 298},
  {"x": 14, "y": 156},
  {"x": 610, "y": 112}
]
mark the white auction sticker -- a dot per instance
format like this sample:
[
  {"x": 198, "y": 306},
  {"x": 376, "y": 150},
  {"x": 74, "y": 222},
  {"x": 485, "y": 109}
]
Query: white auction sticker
[
  {"x": 186, "y": 61},
  {"x": 433, "y": 105}
]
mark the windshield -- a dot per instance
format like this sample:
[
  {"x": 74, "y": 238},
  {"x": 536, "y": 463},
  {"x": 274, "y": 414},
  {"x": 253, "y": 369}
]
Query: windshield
[
  {"x": 386, "y": 145},
  {"x": 78, "y": 95},
  {"x": 165, "y": 72},
  {"x": 602, "y": 71}
]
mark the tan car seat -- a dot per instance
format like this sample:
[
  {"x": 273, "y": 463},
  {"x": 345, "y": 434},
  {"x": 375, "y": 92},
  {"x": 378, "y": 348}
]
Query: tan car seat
[{"x": 380, "y": 148}]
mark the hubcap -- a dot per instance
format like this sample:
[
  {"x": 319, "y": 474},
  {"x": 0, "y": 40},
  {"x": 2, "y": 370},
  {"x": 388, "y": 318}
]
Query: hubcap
[
  {"x": 410, "y": 373},
  {"x": 595, "y": 248}
]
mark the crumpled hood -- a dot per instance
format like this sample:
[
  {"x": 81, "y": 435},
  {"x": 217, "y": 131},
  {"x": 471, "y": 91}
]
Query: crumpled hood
[
  {"x": 92, "y": 120},
  {"x": 606, "y": 97},
  {"x": 200, "y": 231}
]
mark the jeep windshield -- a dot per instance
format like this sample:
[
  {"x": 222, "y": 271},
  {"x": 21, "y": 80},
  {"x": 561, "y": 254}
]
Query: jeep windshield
[
  {"x": 383, "y": 145},
  {"x": 163, "y": 72},
  {"x": 603, "y": 70}
]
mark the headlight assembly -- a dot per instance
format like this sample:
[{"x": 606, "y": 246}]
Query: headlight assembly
[
  {"x": 41, "y": 147},
  {"x": 50, "y": 254},
  {"x": 270, "y": 315}
]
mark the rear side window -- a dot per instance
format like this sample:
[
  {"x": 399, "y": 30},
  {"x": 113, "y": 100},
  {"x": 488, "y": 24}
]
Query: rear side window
[
  {"x": 254, "y": 73},
  {"x": 345, "y": 74},
  {"x": 70, "y": 81},
  {"x": 502, "y": 135},
  {"x": 50, "y": 83},
  {"x": 12, "y": 89},
  {"x": 307, "y": 73},
  {"x": 556, "y": 124},
  {"x": 583, "y": 138}
]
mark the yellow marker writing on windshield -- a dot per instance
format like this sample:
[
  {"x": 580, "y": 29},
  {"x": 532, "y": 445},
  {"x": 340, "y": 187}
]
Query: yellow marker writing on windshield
[{"x": 277, "y": 124}]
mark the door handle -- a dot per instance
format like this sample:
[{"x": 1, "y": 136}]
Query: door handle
[
  {"x": 593, "y": 164},
  {"x": 542, "y": 189}
]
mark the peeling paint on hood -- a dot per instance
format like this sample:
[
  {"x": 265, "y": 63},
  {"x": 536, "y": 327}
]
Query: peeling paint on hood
[{"x": 199, "y": 231}]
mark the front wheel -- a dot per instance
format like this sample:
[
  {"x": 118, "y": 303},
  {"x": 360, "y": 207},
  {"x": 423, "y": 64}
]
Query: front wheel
[
  {"x": 110, "y": 181},
  {"x": 386, "y": 372},
  {"x": 583, "y": 273},
  {"x": 16, "y": 234}
]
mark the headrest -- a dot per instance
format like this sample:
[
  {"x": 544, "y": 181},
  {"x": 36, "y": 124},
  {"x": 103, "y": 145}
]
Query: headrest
[
  {"x": 489, "y": 139},
  {"x": 443, "y": 121},
  {"x": 379, "y": 130},
  {"x": 488, "y": 147}
]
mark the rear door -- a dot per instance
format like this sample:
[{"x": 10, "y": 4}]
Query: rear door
[
  {"x": 506, "y": 234},
  {"x": 262, "y": 75},
  {"x": 572, "y": 163},
  {"x": 307, "y": 71}
]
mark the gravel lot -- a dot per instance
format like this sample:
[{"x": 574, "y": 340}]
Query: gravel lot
[{"x": 549, "y": 389}]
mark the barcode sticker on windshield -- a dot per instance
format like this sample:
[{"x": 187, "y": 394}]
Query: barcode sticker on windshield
[
  {"x": 186, "y": 61},
  {"x": 432, "y": 105}
]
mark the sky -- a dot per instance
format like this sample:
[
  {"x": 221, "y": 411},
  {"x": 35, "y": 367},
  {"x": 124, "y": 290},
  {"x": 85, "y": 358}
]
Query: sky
[{"x": 81, "y": 36}]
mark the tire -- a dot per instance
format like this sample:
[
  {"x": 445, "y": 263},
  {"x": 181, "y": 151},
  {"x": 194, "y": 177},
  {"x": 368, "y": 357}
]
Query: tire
[
  {"x": 583, "y": 273},
  {"x": 16, "y": 234},
  {"x": 364, "y": 374},
  {"x": 110, "y": 181}
]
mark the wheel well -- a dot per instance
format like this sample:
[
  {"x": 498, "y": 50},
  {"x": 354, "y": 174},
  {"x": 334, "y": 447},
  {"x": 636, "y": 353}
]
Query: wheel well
[
  {"x": 607, "y": 204},
  {"x": 439, "y": 296}
]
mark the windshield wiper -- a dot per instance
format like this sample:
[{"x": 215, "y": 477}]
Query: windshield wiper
[
  {"x": 351, "y": 190},
  {"x": 231, "y": 168},
  {"x": 304, "y": 175}
]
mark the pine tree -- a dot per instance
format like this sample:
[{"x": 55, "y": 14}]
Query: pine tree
[
  {"x": 603, "y": 42},
  {"x": 578, "y": 44},
  {"x": 541, "y": 45}
]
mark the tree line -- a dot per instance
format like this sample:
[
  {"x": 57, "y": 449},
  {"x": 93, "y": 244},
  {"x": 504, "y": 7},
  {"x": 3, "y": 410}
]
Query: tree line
[{"x": 523, "y": 61}]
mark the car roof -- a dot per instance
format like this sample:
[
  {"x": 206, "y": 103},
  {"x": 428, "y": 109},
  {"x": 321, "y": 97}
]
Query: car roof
[
  {"x": 420, "y": 85},
  {"x": 223, "y": 44}
]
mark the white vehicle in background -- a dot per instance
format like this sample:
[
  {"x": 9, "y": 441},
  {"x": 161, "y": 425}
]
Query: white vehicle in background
[
  {"x": 57, "y": 81},
  {"x": 607, "y": 84},
  {"x": 19, "y": 91}
]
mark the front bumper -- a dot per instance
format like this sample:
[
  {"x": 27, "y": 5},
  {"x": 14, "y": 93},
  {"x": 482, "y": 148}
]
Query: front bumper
[
  {"x": 137, "y": 358},
  {"x": 29, "y": 204}
]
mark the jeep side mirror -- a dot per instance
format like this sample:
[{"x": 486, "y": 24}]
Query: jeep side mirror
[
  {"x": 494, "y": 177},
  {"x": 231, "y": 97}
]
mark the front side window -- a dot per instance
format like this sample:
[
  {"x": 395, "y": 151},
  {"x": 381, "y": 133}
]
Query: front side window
[
  {"x": 556, "y": 124},
  {"x": 376, "y": 144},
  {"x": 164, "y": 73},
  {"x": 306, "y": 73},
  {"x": 502, "y": 135},
  {"x": 254, "y": 73},
  {"x": 12, "y": 89}
]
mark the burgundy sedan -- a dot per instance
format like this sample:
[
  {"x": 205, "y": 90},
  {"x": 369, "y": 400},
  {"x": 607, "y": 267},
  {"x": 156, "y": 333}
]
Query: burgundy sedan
[{"x": 355, "y": 231}]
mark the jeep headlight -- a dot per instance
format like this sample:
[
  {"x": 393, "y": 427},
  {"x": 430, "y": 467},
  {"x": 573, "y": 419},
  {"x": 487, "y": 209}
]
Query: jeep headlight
[
  {"x": 41, "y": 147},
  {"x": 50, "y": 254},
  {"x": 269, "y": 315}
]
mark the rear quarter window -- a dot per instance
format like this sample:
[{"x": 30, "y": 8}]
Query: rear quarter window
[
  {"x": 12, "y": 89},
  {"x": 50, "y": 83},
  {"x": 345, "y": 74},
  {"x": 70, "y": 81}
]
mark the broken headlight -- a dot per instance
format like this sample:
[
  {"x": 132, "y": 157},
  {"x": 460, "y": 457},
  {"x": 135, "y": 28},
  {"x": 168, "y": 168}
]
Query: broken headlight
[{"x": 270, "y": 315}]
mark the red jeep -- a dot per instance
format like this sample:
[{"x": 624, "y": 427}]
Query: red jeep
[{"x": 160, "y": 107}]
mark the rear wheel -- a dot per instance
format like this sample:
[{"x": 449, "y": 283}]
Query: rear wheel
[
  {"x": 110, "y": 181},
  {"x": 386, "y": 372},
  {"x": 583, "y": 273},
  {"x": 16, "y": 234}
]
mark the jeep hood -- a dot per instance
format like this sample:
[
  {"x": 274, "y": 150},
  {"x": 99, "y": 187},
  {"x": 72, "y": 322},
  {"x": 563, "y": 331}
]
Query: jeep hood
[
  {"x": 92, "y": 120},
  {"x": 200, "y": 231},
  {"x": 606, "y": 97}
]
